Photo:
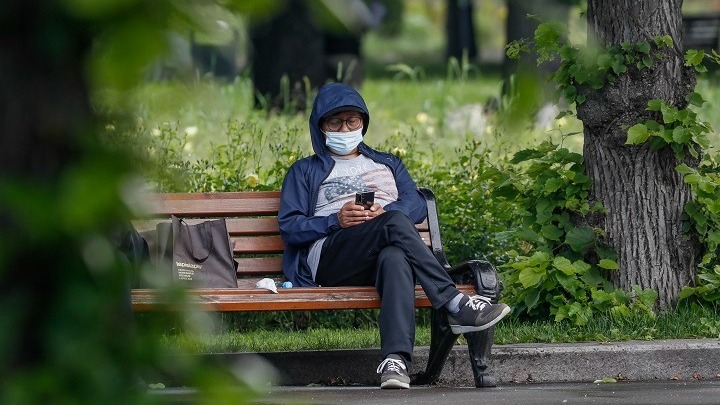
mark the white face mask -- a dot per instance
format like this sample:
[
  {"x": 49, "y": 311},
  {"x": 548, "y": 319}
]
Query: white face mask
[{"x": 342, "y": 143}]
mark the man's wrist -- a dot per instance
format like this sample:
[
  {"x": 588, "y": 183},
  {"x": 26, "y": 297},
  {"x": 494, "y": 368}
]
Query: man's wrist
[{"x": 336, "y": 224}]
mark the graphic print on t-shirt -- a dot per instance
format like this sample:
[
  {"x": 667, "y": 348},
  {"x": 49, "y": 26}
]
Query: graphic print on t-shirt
[
  {"x": 355, "y": 175},
  {"x": 341, "y": 186}
]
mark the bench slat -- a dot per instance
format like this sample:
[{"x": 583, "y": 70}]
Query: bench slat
[
  {"x": 240, "y": 226},
  {"x": 252, "y": 226},
  {"x": 214, "y": 204},
  {"x": 257, "y": 244},
  {"x": 228, "y": 300},
  {"x": 235, "y": 226},
  {"x": 259, "y": 266},
  {"x": 274, "y": 244}
]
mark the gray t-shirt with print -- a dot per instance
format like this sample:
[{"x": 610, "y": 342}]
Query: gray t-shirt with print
[{"x": 348, "y": 177}]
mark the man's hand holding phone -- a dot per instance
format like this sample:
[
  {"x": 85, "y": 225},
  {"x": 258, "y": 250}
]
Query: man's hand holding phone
[
  {"x": 366, "y": 199},
  {"x": 359, "y": 211}
]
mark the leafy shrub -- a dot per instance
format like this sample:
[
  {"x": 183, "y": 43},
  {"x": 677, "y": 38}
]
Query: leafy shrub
[
  {"x": 252, "y": 158},
  {"x": 560, "y": 268},
  {"x": 473, "y": 224},
  {"x": 685, "y": 133},
  {"x": 704, "y": 217}
]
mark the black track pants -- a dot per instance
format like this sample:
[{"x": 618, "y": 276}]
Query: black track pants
[{"x": 388, "y": 253}]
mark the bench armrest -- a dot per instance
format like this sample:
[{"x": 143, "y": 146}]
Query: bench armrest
[
  {"x": 481, "y": 274},
  {"x": 434, "y": 228}
]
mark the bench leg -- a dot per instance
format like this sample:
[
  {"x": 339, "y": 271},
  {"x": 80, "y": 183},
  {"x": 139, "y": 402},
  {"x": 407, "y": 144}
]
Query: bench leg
[
  {"x": 442, "y": 341},
  {"x": 485, "y": 281},
  {"x": 479, "y": 346},
  {"x": 483, "y": 276}
]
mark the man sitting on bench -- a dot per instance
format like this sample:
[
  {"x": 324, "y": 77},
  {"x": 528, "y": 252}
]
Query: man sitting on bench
[{"x": 337, "y": 233}]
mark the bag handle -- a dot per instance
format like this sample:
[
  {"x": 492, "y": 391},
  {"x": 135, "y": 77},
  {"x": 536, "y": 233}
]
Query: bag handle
[{"x": 208, "y": 239}]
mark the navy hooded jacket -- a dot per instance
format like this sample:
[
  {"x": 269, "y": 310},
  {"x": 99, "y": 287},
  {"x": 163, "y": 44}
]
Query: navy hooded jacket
[{"x": 299, "y": 227}]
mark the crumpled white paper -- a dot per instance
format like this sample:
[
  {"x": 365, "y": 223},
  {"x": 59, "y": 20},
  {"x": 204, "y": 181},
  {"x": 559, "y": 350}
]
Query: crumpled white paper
[{"x": 268, "y": 284}]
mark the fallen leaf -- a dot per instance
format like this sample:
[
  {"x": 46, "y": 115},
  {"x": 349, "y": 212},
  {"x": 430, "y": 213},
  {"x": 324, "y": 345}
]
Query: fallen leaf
[
  {"x": 337, "y": 381},
  {"x": 675, "y": 377},
  {"x": 697, "y": 376},
  {"x": 606, "y": 380}
]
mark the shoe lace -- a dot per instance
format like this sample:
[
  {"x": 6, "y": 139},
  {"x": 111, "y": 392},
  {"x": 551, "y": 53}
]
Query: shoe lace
[
  {"x": 392, "y": 365},
  {"x": 477, "y": 302}
]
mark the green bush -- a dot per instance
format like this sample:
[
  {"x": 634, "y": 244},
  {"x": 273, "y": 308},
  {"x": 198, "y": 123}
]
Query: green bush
[
  {"x": 251, "y": 158},
  {"x": 474, "y": 225},
  {"x": 560, "y": 270},
  {"x": 704, "y": 218}
]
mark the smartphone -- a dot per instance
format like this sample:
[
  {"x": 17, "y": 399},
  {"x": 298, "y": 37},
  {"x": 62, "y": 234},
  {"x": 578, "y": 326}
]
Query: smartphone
[{"x": 366, "y": 199}]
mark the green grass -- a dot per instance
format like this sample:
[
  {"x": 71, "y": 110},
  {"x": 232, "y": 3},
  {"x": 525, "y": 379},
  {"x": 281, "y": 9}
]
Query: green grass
[
  {"x": 438, "y": 114},
  {"x": 682, "y": 323}
]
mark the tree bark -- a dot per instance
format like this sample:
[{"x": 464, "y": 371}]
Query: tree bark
[{"x": 642, "y": 193}]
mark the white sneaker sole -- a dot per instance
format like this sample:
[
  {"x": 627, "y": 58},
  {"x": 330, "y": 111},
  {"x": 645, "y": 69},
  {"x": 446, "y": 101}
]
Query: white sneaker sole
[
  {"x": 459, "y": 329},
  {"x": 394, "y": 384}
]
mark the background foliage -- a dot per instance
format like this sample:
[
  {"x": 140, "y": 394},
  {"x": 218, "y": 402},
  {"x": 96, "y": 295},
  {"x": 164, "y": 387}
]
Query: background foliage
[
  {"x": 65, "y": 335},
  {"x": 498, "y": 201},
  {"x": 521, "y": 208}
]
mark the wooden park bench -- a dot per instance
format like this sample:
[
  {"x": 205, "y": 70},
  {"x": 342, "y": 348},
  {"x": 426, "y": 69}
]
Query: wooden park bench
[{"x": 252, "y": 223}]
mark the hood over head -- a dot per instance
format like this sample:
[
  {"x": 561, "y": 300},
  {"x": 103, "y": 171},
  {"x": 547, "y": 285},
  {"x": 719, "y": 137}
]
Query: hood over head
[{"x": 331, "y": 99}]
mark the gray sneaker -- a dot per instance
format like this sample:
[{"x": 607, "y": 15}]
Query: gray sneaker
[
  {"x": 476, "y": 314},
  {"x": 393, "y": 373}
]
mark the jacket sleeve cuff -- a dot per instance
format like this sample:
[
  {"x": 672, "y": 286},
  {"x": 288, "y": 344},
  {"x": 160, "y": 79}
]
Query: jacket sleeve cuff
[{"x": 333, "y": 223}]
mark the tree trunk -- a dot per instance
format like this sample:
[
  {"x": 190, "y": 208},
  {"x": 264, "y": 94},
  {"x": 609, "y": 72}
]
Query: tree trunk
[
  {"x": 289, "y": 44},
  {"x": 641, "y": 191},
  {"x": 460, "y": 29}
]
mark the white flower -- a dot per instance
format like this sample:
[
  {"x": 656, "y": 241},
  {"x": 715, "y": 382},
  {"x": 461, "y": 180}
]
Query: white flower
[
  {"x": 156, "y": 132},
  {"x": 422, "y": 117},
  {"x": 252, "y": 179},
  {"x": 191, "y": 131}
]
